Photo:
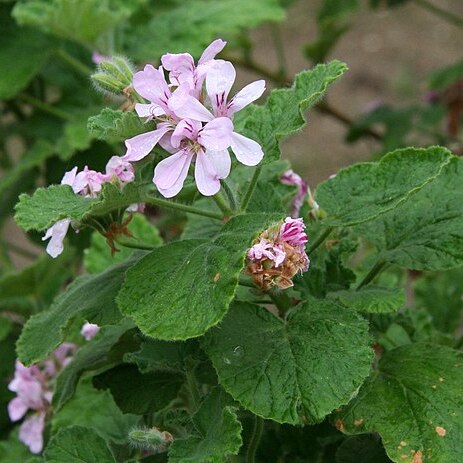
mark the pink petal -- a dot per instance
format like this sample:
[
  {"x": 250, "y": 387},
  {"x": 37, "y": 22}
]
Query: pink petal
[
  {"x": 206, "y": 177},
  {"x": 246, "y": 96},
  {"x": 89, "y": 331},
  {"x": 217, "y": 134},
  {"x": 140, "y": 146},
  {"x": 187, "y": 106},
  {"x": 149, "y": 110},
  {"x": 31, "y": 432},
  {"x": 219, "y": 82},
  {"x": 186, "y": 128},
  {"x": 151, "y": 84},
  {"x": 57, "y": 233},
  {"x": 17, "y": 409},
  {"x": 247, "y": 151},
  {"x": 168, "y": 172},
  {"x": 177, "y": 61},
  {"x": 69, "y": 177},
  {"x": 212, "y": 50},
  {"x": 221, "y": 161}
]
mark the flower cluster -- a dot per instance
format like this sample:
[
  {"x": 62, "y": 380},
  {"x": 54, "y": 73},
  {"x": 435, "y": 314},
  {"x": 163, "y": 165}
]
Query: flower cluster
[
  {"x": 193, "y": 114},
  {"x": 87, "y": 183},
  {"x": 34, "y": 390},
  {"x": 278, "y": 255}
]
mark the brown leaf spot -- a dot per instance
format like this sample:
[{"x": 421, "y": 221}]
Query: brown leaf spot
[
  {"x": 358, "y": 422},
  {"x": 441, "y": 431},
  {"x": 339, "y": 425},
  {"x": 418, "y": 457},
  {"x": 441, "y": 380},
  {"x": 216, "y": 278}
]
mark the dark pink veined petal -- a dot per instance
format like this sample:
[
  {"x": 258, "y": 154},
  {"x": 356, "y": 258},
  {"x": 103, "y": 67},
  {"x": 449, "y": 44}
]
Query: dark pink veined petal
[
  {"x": 212, "y": 50},
  {"x": 247, "y": 151},
  {"x": 140, "y": 146},
  {"x": 186, "y": 128},
  {"x": 221, "y": 161},
  {"x": 219, "y": 81},
  {"x": 168, "y": 172},
  {"x": 246, "y": 96},
  {"x": 151, "y": 84},
  {"x": 149, "y": 110},
  {"x": 207, "y": 179},
  {"x": 217, "y": 134},
  {"x": 187, "y": 106}
]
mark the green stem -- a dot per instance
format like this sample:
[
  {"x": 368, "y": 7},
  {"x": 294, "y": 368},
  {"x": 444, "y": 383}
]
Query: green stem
[
  {"x": 230, "y": 195},
  {"x": 223, "y": 206},
  {"x": 246, "y": 281},
  {"x": 376, "y": 269},
  {"x": 438, "y": 11},
  {"x": 279, "y": 49},
  {"x": 282, "y": 302},
  {"x": 77, "y": 65},
  {"x": 251, "y": 187},
  {"x": 320, "y": 239},
  {"x": 45, "y": 107},
  {"x": 180, "y": 207},
  {"x": 255, "y": 439},
  {"x": 127, "y": 243},
  {"x": 193, "y": 388}
]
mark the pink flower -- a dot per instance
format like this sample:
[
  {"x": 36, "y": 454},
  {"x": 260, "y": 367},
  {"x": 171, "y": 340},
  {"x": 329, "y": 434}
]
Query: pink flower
[
  {"x": 98, "y": 58},
  {"x": 207, "y": 144},
  {"x": 265, "y": 249},
  {"x": 291, "y": 178},
  {"x": 32, "y": 386},
  {"x": 120, "y": 169},
  {"x": 292, "y": 231},
  {"x": 89, "y": 331},
  {"x": 182, "y": 69}
]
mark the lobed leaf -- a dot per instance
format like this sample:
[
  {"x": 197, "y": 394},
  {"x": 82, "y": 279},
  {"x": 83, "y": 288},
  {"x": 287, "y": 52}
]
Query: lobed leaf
[
  {"x": 291, "y": 371},
  {"x": 413, "y": 401}
]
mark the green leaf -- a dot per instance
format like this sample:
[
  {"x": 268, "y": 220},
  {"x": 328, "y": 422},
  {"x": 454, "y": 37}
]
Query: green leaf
[
  {"x": 12, "y": 450},
  {"x": 425, "y": 232},
  {"x": 280, "y": 369},
  {"x": 365, "y": 448},
  {"x": 76, "y": 444},
  {"x": 33, "y": 157},
  {"x": 98, "y": 256},
  {"x": 115, "y": 126},
  {"x": 364, "y": 191},
  {"x": 23, "y": 52},
  {"x": 83, "y": 21},
  {"x": 88, "y": 297},
  {"x": 97, "y": 410},
  {"x": 219, "y": 433},
  {"x": 372, "y": 299},
  {"x": 441, "y": 79},
  {"x": 91, "y": 356},
  {"x": 180, "y": 290},
  {"x": 191, "y": 26},
  {"x": 282, "y": 114},
  {"x": 147, "y": 393},
  {"x": 413, "y": 401}
]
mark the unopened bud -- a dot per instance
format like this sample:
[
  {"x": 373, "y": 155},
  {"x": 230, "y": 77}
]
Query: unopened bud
[
  {"x": 113, "y": 75},
  {"x": 150, "y": 438}
]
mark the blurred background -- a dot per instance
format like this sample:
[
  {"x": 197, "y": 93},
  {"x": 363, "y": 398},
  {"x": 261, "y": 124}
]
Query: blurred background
[{"x": 403, "y": 86}]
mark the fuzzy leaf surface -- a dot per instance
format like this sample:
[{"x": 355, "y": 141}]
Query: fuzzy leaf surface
[
  {"x": 366, "y": 190},
  {"x": 294, "y": 371},
  {"x": 192, "y": 280},
  {"x": 413, "y": 400}
]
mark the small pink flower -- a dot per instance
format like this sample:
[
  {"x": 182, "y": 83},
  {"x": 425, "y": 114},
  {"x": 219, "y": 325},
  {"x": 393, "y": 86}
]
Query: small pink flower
[
  {"x": 292, "y": 231},
  {"x": 89, "y": 331},
  {"x": 266, "y": 249},
  {"x": 118, "y": 168},
  {"x": 98, "y": 58},
  {"x": 291, "y": 178},
  {"x": 31, "y": 432}
]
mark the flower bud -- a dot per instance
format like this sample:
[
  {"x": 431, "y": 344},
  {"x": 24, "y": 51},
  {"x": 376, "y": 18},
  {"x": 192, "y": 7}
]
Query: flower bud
[
  {"x": 150, "y": 438},
  {"x": 113, "y": 75}
]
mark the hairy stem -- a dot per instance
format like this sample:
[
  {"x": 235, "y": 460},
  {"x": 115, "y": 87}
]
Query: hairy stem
[
  {"x": 320, "y": 239},
  {"x": 252, "y": 185},
  {"x": 193, "y": 388},
  {"x": 180, "y": 207},
  {"x": 438, "y": 11},
  {"x": 255, "y": 439},
  {"x": 134, "y": 244},
  {"x": 74, "y": 63},
  {"x": 223, "y": 206},
  {"x": 230, "y": 195},
  {"x": 45, "y": 107},
  {"x": 375, "y": 270}
]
